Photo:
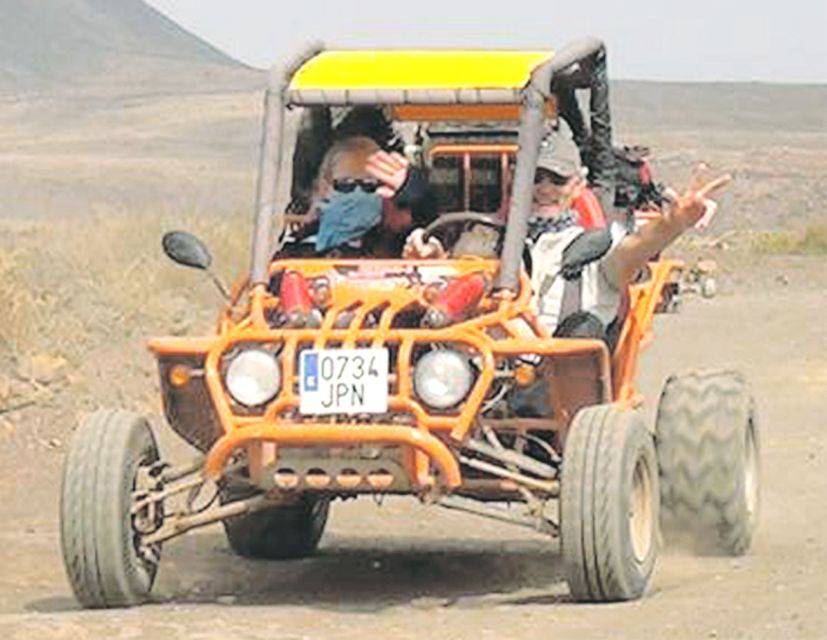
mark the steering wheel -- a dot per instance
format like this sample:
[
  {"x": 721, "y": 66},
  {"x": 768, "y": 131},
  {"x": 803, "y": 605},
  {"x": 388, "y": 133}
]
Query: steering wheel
[{"x": 466, "y": 218}]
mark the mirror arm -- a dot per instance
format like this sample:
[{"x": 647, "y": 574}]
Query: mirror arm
[{"x": 222, "y": 288}]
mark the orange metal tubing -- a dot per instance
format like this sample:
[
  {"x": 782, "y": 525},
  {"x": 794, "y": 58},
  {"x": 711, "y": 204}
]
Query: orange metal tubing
[
  {"x": 636, "y": 332},
  {"x": 463, "y": 112},
  {"x": 472, "y": 149},
  {"x": 489, "y": 335},
  {"x": 325, "y": 434}
]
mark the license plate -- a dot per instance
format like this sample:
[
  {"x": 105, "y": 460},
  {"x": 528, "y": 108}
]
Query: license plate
[{"x": 336, "y": 381}]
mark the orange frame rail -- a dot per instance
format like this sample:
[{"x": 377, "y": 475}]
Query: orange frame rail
[
  {"x": 504, "y": 327},
  {"x": 490, "y": 335}
]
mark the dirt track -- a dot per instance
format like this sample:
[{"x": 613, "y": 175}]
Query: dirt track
[{"x": 406, "y": 572}]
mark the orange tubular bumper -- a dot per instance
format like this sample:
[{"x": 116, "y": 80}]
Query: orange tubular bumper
[
  {"x": 325, "y": 434},
  {"x": 503, "y": 327}
]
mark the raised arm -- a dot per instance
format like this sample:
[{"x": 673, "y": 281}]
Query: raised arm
[{"x": 684, "y": 211}]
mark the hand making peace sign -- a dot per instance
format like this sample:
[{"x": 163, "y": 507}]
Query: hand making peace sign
[{"x": 694, "y": 207}]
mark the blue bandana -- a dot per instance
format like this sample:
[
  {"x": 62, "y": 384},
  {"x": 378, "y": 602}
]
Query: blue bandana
[{"x": 346, "y": 217}]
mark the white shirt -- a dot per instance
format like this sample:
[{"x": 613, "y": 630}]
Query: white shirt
[{"x": 597, "y": 293}]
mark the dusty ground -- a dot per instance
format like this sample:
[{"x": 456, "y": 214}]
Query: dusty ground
[{"x": 405, "y": 571}]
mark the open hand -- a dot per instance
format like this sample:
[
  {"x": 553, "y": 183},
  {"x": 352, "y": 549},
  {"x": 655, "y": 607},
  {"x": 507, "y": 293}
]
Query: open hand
[
  {"x": 391, "y": 169},
  {"x": 416, "y": 247}
]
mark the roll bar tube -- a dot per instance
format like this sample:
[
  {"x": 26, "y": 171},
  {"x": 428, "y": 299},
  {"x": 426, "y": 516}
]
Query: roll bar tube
[
  {"x": 268, "y": 178},
  {"x": 529, "y": 138},
  {"x": 271, "y": 161}
]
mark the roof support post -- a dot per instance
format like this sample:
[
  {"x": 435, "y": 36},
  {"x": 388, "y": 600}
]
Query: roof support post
[
  {"x": 268, "y": 178},
  {"x": 529, "y": 138},
  {"x": 270, "y": 165}
]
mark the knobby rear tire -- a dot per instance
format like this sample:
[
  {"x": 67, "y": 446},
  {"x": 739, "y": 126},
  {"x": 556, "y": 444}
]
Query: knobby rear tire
[
  {"x": 279, "y": 533},
  {"x": 709, "y": 455}
]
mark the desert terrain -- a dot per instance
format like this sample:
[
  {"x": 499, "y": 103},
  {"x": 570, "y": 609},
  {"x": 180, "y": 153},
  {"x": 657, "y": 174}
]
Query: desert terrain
[{"x": 98, "y": 160}]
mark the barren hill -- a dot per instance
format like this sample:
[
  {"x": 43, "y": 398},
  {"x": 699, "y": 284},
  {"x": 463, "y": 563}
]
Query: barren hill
[
  {"x": 720, "y": 106},
  {"x": 109, "y": 105},
  {"x": 63, "y": 45}
]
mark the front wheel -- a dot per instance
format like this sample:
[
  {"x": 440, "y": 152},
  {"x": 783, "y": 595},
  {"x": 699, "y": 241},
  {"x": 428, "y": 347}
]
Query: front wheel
[
  {"x": 609, "y": 505},
  {"x": 104, "y": 562}
]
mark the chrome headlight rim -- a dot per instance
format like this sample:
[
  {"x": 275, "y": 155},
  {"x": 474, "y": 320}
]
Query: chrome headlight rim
[
  {"x": 252, "y": 376},
  {"x": 443, "y": 378}
]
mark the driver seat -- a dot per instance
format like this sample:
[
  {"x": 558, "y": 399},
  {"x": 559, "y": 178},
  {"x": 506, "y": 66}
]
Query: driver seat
[{"x": 590, "y": 213}]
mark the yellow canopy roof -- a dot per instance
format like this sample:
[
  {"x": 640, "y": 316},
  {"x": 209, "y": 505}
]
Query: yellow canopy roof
[
  {"x": 400, "y": 77},
  {"x": 418, "y": 70}
]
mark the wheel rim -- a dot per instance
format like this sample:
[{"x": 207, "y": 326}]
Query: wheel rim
[
  {"x": 641, "y": 511},
  {"x": 751, "y": 480},
  {"x": 148, "y": 557}
]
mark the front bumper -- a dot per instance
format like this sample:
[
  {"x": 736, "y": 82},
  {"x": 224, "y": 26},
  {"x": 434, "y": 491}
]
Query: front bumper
[{"x": 429, "y": 451}]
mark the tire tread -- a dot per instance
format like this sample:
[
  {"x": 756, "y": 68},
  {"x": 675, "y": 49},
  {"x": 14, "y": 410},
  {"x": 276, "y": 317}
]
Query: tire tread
[
  {"x": 97, "y": 472},
  {"x": 592, "y": 509},
  {"x": 700, "y": 434}
]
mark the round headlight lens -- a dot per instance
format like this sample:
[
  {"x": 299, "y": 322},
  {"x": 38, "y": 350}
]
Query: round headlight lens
[
  {"x": 443, "y": 378},
  {"x": 253, "y": 377}
]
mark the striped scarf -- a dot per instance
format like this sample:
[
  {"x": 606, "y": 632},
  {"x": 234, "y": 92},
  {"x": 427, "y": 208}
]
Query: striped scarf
[{"x": 538, "y": 226}]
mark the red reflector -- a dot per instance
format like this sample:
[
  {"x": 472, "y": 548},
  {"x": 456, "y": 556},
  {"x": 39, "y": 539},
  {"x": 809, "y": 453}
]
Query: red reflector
[
  {"x": 294, "y": 293},
  {"x": 461, "y": 295}
]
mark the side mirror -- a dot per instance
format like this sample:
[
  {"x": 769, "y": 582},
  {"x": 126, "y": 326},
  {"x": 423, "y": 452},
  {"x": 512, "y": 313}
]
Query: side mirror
[
  {"x": 187, "y": 250},
  {"x": 585, "y": 249},
  {"x": 589, "y": 246}
]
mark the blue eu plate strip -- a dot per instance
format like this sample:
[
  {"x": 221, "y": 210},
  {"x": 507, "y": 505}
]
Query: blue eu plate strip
[{"x": 311, "y": 371}]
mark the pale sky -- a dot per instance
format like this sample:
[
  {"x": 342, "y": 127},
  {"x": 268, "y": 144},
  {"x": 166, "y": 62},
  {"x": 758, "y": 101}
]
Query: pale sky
[{"x": 763, "y": 40}]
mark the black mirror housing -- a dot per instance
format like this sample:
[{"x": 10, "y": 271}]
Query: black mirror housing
[
  {"x": 589, "y": 246},
  {"x": 187, "y": 250}
]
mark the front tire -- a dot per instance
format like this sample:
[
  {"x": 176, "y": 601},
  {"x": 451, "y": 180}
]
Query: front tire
[
  {"x": 97, "y": 535},
  {"x": 609, "y": 505},
  {"x": 708, "y": 449}
]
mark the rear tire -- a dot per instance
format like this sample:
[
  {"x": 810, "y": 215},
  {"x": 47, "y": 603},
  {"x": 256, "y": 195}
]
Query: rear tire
[
  {"x": 609, "y": 505},
  {"x": 97, "y": 536},
  {"x": 278, "y": 533},
  {"x": 709, "y": 455}
]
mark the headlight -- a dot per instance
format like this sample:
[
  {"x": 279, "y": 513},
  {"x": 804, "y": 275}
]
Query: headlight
[
  {"x": 443, "y": 378},
  {"x": 253, "y": 377}
]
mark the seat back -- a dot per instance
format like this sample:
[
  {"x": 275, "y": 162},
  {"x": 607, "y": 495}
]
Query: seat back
[{"x": 589, "y": 211}]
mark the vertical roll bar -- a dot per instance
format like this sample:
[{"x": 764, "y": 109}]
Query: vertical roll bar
[
  {"x": 529, "y": 139},
  {"x": 530, "y": 136},
  {"x": 271, "y": 162}
]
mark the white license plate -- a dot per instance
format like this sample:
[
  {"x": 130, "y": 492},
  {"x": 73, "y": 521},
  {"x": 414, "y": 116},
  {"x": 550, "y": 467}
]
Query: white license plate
[{"x": 334, "y": 381}]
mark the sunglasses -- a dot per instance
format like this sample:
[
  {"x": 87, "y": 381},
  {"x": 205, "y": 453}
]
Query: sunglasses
[
  {"x": 349, "y": 185},
  {"x": 555, "y": 178}
]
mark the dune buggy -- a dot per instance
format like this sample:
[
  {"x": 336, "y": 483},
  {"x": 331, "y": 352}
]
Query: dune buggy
[{"x": 383, "y": 377}]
